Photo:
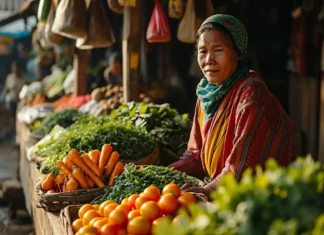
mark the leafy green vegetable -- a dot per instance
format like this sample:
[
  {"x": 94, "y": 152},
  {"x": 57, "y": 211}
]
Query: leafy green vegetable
[
  {"x": 88, "y": 133},
  {"x": 275, "y": 201},
  {"x": 166, "y": 125},
  {"x": 136, "y": 180},
  {"x": 63, "y": 118}
]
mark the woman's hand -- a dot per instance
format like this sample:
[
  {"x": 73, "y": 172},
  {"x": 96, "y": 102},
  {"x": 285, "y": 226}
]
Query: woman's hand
[{"x": 194, "y": 189}]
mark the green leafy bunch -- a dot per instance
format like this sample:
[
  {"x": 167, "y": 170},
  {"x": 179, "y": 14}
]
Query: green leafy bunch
[
  {"x": 275, "y": 201},
  {"x": 163, "y": 123},
  {"x": 64, "y": 118},
  {"x": 89, "y": 133},
  {"x": 135, "y": 180}
]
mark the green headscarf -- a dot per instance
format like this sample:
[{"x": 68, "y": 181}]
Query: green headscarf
[{"x": 211, "y": 95}]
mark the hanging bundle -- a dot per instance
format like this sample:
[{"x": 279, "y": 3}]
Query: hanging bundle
[
  {"x": 115, "y": 6},
  {"x": 175, "y": 9},
  {"x": 70, "y": 20},
  {"x": 187, "y": 27},
  {"x": 100, "y": 33},
  {"x": 50, "y": 36},
  {"x": 158, "y": 29}
]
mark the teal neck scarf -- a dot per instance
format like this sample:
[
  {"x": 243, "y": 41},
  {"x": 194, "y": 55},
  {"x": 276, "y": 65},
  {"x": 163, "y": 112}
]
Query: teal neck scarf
[{"x": 212, "y": 95}]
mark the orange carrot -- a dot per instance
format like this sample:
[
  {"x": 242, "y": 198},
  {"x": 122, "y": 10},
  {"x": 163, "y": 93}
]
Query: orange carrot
[
  {"x": 90, "y": 182},
  {"x": 69, "y": 164},
  {"x": 90, "y": 164},
  {"x": 104, "y": 157},
  {"x": 95, "y": 156},
  {"x": 80, "y": 178},
  {"x": 48, "y": 183},
  {"x": 119, "y": 168},
  {"x": 59, "y": 179},
  {"x": 112, "y": 162},
  {"x": 75, "y": 157},
  {"x": 63, "y": 168},
  {"x": 71, "y": 185}
]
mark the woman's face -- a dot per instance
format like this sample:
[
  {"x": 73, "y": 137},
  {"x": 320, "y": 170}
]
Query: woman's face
[{"x": 217, "y": 57}]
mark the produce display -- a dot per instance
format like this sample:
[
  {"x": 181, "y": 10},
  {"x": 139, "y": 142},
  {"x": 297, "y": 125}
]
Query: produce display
[
  {"x": 137, "y": 214},
  {"x": 73, "y": 102},
  {"x": 89, "y": 133},
  {"x": 163, "y": 123},
  {"x": 63, "y": 118},
  {"x": 275, "y": 201},
  {"x": 111, "y": 97},
  {"x": 85, "y": 171},
  {"x": 135, "y": 180}
]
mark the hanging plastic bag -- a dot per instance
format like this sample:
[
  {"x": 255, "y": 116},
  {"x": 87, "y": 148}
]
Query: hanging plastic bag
[
  {"x": 175, "y": 9},
  {"x": 100, "y": 33},
  {"x": 187, "y": 27},
  {"x": 44, "y": 43},
  {"x": 115, "y": 6},
  {"x": 127, "y": 3},
  {"x": 158, "y": 29},
  {"x": 70, "y": 20},
  {"x": 43, "y": 10},
  {"x": 49, "y": 35}
]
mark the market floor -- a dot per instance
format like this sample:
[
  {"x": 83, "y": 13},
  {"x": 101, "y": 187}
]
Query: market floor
[{"x": 9, "y": 158}]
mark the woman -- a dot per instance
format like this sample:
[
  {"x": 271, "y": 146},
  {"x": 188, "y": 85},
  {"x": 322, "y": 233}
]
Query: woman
[
  {"x": 113, "y": 73},
  {"x": 238, "y": 123}
]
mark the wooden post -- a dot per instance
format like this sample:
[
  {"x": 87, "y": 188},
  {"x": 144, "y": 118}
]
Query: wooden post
[
  {"x": 80, "y": 65},
  {"x": 131, "y": 51}
]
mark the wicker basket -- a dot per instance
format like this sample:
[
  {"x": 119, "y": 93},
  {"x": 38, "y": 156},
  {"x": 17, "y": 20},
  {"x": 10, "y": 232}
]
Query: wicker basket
[
  {"x": 56, "y": 201},
  {"x": 150, "y": 159},
  {"x": 67, "y": 216}
]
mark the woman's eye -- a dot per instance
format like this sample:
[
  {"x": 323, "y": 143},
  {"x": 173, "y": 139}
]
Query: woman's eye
[
  {"x": 202, "y": 51},
  {"x": 218, "y": 50}
]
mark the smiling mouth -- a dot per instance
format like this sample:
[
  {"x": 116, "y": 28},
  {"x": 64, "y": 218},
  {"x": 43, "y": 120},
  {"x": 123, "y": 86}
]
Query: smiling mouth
[{"x": 211, "y": 71}]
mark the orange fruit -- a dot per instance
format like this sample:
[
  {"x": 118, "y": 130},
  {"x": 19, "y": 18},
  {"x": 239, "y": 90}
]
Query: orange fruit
[
  {"x": 131, "y": 200},
  {"x": 109, "y": 208},
  {"x": 152, "y": 193},
  {"x": 96, "y": 206},
  {"x": 124, "y": 201},
  {"x": 172, "y": 188},
  {"x": 186, "y": 199},
  {"x": 140, "y": 201},
  {"x": 139, "y": 225},
  {"x": 84, "y": 209},
  {"x": 110, "y": 229},
  {"x": 100, "y": 223},
  {"x": 122, "y": 232},
  {"x": 117, "y": 217},
  {"x": 150, "y": 210},
  {"x": 168, "y": 204},
  {"x": 132, "y": 214},
  {"x": 89, "y": 215},
  {"x": 124, "y": 208},
  {"x": 94, "y": 220},
  {"x": 103, "y": 205},
  {"x": 88, "y": 229},
  {"x": 76, "y": 225}
]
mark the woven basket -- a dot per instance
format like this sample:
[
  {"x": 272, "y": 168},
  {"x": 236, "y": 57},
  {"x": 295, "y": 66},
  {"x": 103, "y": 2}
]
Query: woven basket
[
  {"x": 67, "y": 216},
  {"x": 150, "y": 159},
  {"x": 56, "y": 201}
]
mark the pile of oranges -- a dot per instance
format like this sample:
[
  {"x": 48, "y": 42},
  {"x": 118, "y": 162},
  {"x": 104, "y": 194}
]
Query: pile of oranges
[{"x": 137, "y": 214}]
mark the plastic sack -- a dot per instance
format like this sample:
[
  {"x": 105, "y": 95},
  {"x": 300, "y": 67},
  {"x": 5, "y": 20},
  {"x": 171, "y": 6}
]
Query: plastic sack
[
  {"x": 100, "y": 33},
  {"x": 127, "y": 3},
  {"x": 70, "y": 20},
  {"x": 68, "y": 84},
  {"x": 158, "y": 29},
  {"x": 44, "y": 43},
  {"x": 187, "y": 27},
  {"x": 175, "y": 9},
  {"x": 115, "y": 6},
  {"x": 49, "y": 35}
]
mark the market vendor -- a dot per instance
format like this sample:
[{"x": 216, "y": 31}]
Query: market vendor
[
  {"x": 113, "y": 73},
  {"x": 238, "y": 122}
]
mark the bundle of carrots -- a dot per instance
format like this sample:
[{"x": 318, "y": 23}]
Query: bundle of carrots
[{"x": 93, "y": 169}]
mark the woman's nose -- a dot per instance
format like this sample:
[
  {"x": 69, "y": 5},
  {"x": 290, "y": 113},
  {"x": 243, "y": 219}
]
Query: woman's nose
[{"x": 210, "y": 58}]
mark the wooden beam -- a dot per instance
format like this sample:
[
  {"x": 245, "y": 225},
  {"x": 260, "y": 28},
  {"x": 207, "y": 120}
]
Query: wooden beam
[
  {"x": 80, "y": 64},
  {"x": 131, "y": 51}
]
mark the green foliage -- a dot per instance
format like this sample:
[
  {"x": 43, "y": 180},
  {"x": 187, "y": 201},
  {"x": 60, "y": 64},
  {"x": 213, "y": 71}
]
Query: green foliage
[
  {"x": 135, "y": 180},
  {"x": 275, "y": 201},
  {"x": 161, "y": 122},
  {"x": 64, "y": 118}
]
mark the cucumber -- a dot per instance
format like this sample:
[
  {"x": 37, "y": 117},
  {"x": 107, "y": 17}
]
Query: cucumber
[{"x": 44, "y": 8}]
